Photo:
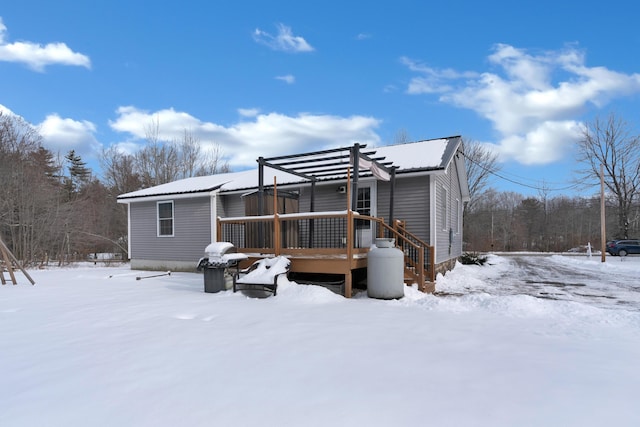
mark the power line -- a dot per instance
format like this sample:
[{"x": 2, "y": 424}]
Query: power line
[{"x": 513, "y": 181}]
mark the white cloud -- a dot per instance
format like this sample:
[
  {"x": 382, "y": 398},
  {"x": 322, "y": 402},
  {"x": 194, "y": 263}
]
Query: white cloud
[
  {"x": 37, "y": 56},
  {"x": 284, "y": 41},
  {"x": 243, "y": 142},
  {"x": 532, "y": 100},
  {"x": 545, "y": 143},
  {"x": 62, "y": 135},
  {"x": 363, "y": 36},
  {"x": 126, "y": 147},
  {"x": 432, "y": 80},
  {"x": 171, "y": 123},
  {"x": 390, "y": 88},
  {"x": 248, "y": 112},
  {"x": 289, "y": 79},
  {"x": 59, "y": 135}
]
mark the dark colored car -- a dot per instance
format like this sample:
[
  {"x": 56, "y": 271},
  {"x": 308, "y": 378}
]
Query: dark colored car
[{"x": 623, "y": 247}]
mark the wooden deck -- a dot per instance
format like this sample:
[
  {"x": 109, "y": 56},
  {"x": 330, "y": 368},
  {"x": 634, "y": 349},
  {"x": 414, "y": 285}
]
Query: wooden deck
[{"x": 326, "y": 242}]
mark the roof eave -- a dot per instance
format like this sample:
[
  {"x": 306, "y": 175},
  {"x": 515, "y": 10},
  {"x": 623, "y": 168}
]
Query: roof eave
[{"x": 173, "y": 195}]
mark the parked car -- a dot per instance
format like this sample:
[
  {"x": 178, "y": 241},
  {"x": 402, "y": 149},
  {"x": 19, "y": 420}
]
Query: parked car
[{"x": 623, "y": 247}]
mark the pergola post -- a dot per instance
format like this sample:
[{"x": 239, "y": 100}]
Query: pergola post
[
  {"x": 355, "y": 162},
  {"x": 261, "y": 199},
  {"x": 391, "y": 195},
  {"x": 312, "y": 208}
]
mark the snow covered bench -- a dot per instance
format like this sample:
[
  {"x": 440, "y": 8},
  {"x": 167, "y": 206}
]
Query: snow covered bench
[{"x": 260, "y": 280}]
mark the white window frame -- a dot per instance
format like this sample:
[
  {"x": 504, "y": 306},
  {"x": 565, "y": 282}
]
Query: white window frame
[
  {"x": 361, "y": 209},
  {"x": 158, "y": 219},
  {"x": 458, "y": 216},
  {"x": 445, "y": 209}
]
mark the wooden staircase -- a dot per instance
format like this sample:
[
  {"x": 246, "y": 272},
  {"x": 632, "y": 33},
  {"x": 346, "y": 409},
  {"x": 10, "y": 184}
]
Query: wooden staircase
[{"x": 418, "y": 256}]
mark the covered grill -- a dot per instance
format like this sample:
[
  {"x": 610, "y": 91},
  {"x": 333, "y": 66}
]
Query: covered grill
[{"x": 220, "y": 256}]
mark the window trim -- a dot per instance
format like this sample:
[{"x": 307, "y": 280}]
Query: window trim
[
  {"x": 446, "y": 224},
  {"x": 172, "y": 218},
  {"x": 362, "y": 224},
  {"x": 458, "y": 216}
]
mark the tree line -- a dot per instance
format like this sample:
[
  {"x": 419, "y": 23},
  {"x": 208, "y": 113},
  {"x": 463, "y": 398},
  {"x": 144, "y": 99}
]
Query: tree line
[
  {"x": 53, "y": 207},
  {"x": 509, "y": 221},
  {"x": 607, "y": 152}
]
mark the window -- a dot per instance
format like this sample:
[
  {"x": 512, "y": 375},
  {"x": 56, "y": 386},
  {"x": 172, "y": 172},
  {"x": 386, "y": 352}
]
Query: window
[
  {"x": 363, "y": 206},
  {"x": 458, "y": 216},
  {"x": 165, "y": 219},
  {"x": 444, "y": 208}
]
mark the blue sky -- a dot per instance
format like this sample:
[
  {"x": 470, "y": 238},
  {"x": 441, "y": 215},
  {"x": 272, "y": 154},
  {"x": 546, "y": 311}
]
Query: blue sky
[{"x": 280, "y": 77}]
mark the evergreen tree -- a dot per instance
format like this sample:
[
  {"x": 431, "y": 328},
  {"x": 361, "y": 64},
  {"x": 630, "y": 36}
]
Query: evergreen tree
[{"x": 79, "y": 174}]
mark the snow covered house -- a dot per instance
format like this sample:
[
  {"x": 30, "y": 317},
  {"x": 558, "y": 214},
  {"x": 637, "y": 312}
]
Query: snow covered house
[{"x": 322, "y": 209}]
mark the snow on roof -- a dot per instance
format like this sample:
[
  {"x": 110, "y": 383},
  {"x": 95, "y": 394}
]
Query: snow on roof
[
  {"x": 422, "y": 155},
  {"x": 224, "y": 181},
  {"x": 249, "y": 179},
  {"x": 187, "y": 185},
  {"x": 429, "y": 154}
]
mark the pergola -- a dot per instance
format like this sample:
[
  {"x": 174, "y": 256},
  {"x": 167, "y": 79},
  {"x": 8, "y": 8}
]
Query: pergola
[
  {"x": 336, "y": 248},
  {"x": 337, "y": 163}
]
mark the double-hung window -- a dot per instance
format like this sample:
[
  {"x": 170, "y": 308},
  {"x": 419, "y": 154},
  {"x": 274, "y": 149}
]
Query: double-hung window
[{"x": 165, "y": 219}]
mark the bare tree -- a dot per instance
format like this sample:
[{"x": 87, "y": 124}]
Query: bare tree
[
  {"x": 119, "y": 176},
  {"x": 160, "y": 162},
  {"x": 189, "y": 152},
  {"x": 490, "y": 223},
  {"x": 211, "y": 162},
  {"x": 29, "y": 188},
  {"x": 196, "y": 159},
  {"x": 118, "y": 171},
  {"x": 480, "y": 163},
  {"x": 401, "y": 136},
  {"x": 608, "y": 142},
  {"x": 157, "y": 163}
]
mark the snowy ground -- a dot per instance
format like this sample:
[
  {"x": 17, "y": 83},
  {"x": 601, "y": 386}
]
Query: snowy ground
[{"x": 516, "y": 343}]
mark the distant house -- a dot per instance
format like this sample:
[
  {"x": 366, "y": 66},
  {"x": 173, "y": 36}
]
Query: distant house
[{"x": 414, "y": 192}]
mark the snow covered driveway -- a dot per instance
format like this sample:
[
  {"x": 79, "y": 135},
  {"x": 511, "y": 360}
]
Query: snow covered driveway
[{"x": 615, "y": 284}]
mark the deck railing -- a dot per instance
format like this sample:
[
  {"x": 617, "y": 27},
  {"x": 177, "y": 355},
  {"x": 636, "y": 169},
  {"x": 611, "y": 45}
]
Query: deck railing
[
  {"x": 336, "y": 233},
  {"x": 416, "y": 251}
]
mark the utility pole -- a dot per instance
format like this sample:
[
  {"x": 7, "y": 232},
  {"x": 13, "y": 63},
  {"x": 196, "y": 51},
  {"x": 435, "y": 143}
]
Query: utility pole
[{"x": 603, "y": 231}]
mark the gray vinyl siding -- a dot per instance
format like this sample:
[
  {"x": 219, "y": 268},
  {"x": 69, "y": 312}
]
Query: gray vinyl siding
[
  {"x": 449, "y": 238},
  {"x": 328, "y": 198},
  {"x": 411, "y": 199},
  {"x": 191, "y": 233},
  {"x": 456, "y": 211},
  {"x": 230, "y": 205}
]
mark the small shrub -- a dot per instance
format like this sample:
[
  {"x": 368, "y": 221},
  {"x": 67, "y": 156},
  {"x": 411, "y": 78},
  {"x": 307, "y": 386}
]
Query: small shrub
[{"x": 473, "y": 258}]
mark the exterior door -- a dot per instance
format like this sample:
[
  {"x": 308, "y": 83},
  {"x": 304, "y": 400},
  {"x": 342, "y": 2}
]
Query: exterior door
[{"x": 365, "y": 205}]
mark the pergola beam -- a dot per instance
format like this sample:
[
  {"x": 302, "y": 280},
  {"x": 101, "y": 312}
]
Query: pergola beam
[{"x": 332, "y": 163}]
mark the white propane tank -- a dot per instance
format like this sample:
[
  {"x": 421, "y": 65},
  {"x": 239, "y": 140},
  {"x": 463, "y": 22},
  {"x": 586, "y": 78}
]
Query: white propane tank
[{"x": 385, "y": 270}]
